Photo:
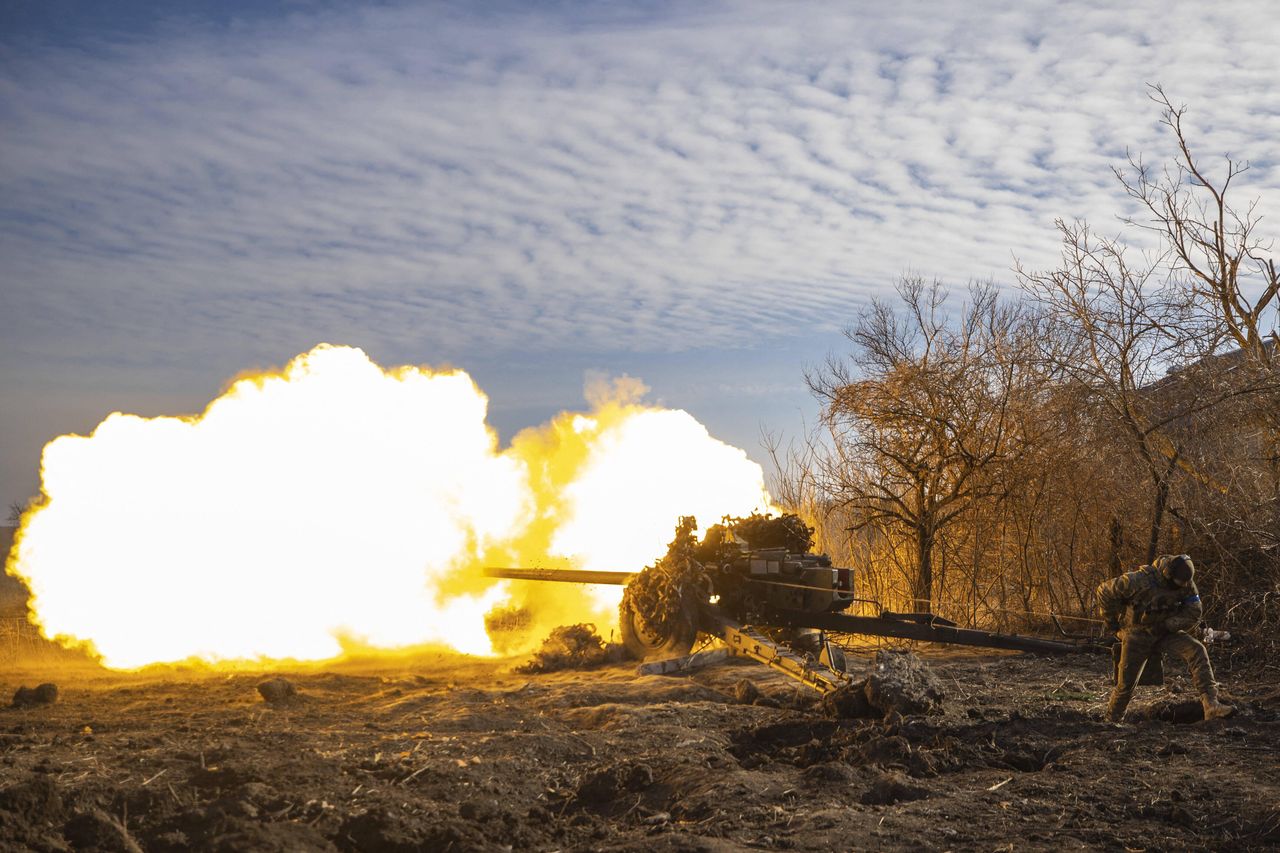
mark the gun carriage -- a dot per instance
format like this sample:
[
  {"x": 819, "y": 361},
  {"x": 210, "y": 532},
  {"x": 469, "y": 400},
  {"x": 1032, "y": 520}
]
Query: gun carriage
[{"x": 755, "y": 584}]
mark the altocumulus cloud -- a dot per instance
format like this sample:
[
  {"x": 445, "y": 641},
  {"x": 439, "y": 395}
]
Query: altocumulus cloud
[{"x": 688, "y": 175}]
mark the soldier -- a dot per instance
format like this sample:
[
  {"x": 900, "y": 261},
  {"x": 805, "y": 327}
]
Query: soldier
[{"x": 1150, "y": 610}]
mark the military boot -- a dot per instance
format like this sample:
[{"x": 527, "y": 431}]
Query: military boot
[
  {"x": 1115, "y": 708},
  {"x": 1213, "y": 709}
]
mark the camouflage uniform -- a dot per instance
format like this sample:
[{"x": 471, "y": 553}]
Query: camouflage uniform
[{"x": 1151, "y": 610}]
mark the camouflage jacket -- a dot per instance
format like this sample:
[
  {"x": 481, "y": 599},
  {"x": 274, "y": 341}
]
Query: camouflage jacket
[{"x": 1144, "y": 599}]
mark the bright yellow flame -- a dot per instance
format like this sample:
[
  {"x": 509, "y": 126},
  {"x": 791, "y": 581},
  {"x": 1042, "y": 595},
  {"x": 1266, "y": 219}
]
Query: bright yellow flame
[
  {"x": 639, "y": 470},
  {"x": 335, "y": 502}
]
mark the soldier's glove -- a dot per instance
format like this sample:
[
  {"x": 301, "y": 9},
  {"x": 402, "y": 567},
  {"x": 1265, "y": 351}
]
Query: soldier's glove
[{"x": 1112, "y": 626}]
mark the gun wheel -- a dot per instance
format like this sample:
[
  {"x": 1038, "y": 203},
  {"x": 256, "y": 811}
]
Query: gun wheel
[{"x": 645, "y": 642}]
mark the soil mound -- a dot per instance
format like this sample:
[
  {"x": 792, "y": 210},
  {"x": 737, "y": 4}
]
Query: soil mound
[{"x": 899, "y": 683}]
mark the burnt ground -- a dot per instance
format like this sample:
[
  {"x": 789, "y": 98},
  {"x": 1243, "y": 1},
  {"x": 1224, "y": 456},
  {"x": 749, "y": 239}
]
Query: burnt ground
[{"x": 450, "y": 753}]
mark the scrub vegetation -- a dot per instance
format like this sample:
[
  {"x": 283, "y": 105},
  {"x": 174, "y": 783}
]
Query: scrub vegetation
[{"x": 993, "y": 458}]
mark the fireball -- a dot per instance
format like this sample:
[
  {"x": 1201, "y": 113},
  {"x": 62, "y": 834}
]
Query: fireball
[{"x": 334, "y": 504}]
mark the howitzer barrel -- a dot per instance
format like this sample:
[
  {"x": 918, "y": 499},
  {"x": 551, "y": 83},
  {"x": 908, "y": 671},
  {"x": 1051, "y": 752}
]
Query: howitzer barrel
[{"x": 563, "y": 575}]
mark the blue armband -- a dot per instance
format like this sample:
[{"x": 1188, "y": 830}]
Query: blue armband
[{"x": 1191, "y": 599}]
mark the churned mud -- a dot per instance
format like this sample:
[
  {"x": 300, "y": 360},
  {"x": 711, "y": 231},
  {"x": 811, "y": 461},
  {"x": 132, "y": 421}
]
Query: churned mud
[{"x": 449, "y": 753}]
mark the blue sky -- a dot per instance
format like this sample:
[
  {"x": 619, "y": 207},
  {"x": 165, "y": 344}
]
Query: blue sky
[{"x": 698, "y": 194}]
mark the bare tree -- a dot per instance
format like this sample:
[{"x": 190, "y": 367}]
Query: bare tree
[
  {"x": 1216, "y": 252},
  {"x": 919, "y": 417},
  {"x": 1229, "y": 273},
  {"x": 1113, "y": 332},
  {"x": 1123, "y": 326}
]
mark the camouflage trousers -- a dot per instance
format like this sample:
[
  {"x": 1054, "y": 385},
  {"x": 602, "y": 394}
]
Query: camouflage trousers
[{"x": 1139, "y": 643}]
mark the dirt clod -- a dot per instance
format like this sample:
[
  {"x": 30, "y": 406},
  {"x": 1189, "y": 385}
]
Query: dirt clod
[
  {"x": 899, "y": 684},
  {"x": 96, "y": 830},
  {"x": 378, "y": 829},
  {"x": 890, "y": 788},
  {"x": 35, "y": 799},
  {"x": 746, "y": 692},
  {"x": 1171, "y": 711},
  {"x": 603, "y": 791},
  {"x": 44, "y": 694},
  {"x": 638, "y": 777},
  {"x": 829, "y": 771},
  {"x": 850, "y": 702},
  {"x": 900, "y": 681},
  {"x": 277, "y": 689}
]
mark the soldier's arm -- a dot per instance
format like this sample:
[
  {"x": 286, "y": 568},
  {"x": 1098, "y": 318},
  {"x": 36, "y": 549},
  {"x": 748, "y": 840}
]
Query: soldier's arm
[
  {"x": 1188, "y": 612},
  {"x": 1113, "y": 595}
]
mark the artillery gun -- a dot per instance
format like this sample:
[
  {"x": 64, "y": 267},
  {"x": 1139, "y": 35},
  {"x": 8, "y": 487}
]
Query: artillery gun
[{"x": 755, "y": 584}]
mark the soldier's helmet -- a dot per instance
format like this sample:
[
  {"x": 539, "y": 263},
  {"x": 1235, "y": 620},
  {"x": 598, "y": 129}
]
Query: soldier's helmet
[{"x": 1178, "y": 569}]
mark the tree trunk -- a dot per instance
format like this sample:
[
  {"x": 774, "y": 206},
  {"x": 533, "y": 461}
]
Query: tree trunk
[
  {"x": 924, "y": 567},
  {"x": 1161, "y": 502},
  {"x": 1117, "y": 543}
]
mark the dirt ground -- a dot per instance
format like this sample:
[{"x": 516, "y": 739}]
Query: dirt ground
[{"x": 449, "y": 753}]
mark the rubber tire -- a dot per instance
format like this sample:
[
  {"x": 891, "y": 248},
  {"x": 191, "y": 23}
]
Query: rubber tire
[{"x": 643, "y": 645}]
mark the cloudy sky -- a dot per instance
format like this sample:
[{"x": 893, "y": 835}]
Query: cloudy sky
[{"x": 698, "y": 194}]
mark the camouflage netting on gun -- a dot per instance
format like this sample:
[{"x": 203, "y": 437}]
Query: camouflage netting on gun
[
  {"x": 662, "y": 593},
  {"x": 761, "y": 532}
]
